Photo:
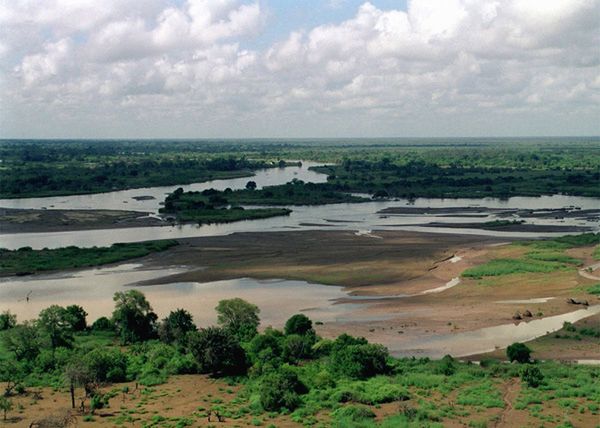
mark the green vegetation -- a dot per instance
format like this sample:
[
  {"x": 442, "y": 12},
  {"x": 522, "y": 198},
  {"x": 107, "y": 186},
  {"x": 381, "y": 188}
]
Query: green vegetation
[
  {"x": 25, "y": 260},
  {"x": 388, "y": 167},
  {"x": 213, "y": 206},
  {"x": 541, "y": 257},
  {"x": 341, "y": 382},
  {"x": 594, "y": 289}
]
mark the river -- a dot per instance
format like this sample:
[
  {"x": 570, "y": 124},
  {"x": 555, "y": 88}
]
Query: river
[{"x": 93, "y": 288}]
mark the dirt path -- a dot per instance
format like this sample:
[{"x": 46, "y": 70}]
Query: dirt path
[
  {"x": 585, "y": 272},
  {"x": 507, "y": 416}
]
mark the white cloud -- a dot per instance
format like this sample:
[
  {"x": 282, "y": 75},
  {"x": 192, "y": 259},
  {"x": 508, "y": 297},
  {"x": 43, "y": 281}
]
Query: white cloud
[{"x": 382, "y": 71}]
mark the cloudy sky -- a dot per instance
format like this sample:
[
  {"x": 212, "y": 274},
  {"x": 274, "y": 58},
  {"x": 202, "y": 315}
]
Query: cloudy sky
[{"x": 289, "y": 68}]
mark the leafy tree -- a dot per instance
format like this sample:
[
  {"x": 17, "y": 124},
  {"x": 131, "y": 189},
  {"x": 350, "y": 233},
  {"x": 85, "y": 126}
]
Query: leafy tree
[
  {"x": 518, "y": 352},
  {"x": 77, "y": 317},
  {"x": 217, "y": 351},
  {"x": 54, "y": 323},
  {"x": 281, "y": 390},
  {"x": 5, "y": 405},
  {"x": 239, "y": 317},
  {"x": 133, "y": 316},
  {"x": 175, "y": 327},
  {"x": 7, "y": 320},
  {"x": 265, "y": 349},
  {"x": 298, "y": 324},
  {"x": 12, "y": 373},
  {"x": 532, "y": 376},
  {"x": 251, "y": 185},
  {"x": 23, "y": 341}
]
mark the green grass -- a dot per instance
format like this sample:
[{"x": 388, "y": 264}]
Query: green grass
[
  {"x": 543, "y": 256},
  {"x": 26, "y": 260},
  {"x": 594, "y": 289},
  {"x": 498, "y": 267}
]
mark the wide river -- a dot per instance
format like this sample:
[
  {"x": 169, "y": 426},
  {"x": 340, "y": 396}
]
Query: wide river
[
  {"x": 93, "y": 288},
  {"x": 360, "y": 217}
]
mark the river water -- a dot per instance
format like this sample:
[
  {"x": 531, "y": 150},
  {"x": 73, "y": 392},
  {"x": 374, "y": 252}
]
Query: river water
[{"x": 278, "y": 299}]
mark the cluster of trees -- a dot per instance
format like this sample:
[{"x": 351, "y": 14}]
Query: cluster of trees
[
  {"x": 50, "y": 350},
  {"x": 420, "y": 178}
]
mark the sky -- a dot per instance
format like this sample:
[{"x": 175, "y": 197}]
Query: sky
[{"x": 296, "y": 69}]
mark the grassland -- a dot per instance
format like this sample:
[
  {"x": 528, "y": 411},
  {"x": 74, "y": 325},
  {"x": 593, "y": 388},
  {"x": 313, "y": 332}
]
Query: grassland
[
  {"x": 25, "y": 260},
  {"x": 542, "y": 256}
]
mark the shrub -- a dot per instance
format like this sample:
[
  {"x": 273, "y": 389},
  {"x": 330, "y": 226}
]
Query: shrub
[
  {"x": 518, "y": 352},
  {"x": 296, "y": 347},
  {"x": 532, "y": 376},
  {"x": 281, "y": 390},
  {"x": 106, "y": 365}
]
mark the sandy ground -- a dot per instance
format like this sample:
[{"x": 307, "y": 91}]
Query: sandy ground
[
  {"x": 398, "y": 264},
  {"x": 192, "y": 396},
  {"x": 32, "y": 221}
]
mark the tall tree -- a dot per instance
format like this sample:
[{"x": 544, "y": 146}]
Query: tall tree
[
  {"x": 239, "y": 317},
  {"x": 133, "y": 316}
]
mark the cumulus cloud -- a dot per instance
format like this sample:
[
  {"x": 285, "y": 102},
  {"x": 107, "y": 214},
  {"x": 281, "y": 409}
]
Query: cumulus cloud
[{"x": 381, "y": 72}]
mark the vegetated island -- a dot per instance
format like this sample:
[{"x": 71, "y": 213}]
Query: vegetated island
[
  {"x": 132, "y": 368},
  {"x": 26, "y": 260},
  {"x": 214, "y": 206}
]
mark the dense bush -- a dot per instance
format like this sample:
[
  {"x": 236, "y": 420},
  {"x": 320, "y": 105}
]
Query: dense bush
[
  {"x": 106, "y": 365},
  {"x": 103, "y": 324},
  {"x": 7, "y": 320},
  {"x": 281, "y": 390},
  {"x": 359, "y": 361},
  {"x": 217, "y": 352}
]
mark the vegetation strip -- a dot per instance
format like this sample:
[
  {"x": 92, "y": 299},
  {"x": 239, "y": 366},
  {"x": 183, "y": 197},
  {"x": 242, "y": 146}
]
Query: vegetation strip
[{"x": 26, "y": 260}]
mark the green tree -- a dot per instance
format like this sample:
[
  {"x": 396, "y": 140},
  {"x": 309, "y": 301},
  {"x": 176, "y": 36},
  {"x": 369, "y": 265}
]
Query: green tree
[
  {"x": 77, "y": 317},
  {"x": 133, "y": 316},
  {"x": 106, "y": 365},
  {"x": 175, "y": 326},
  {"x": 518, "y": 352},
  {"x": 12, "y": 373},
  {"x": 7, "y": 320},
  {"x": 239, "y": 317},
  {"x": 217, "y": 351},
  {"x": 23, "y": 341},
  {"x": 5, "y": 405},
  {"x": 251, "y": 185},
  {"x": 299, "y": 324},
  {"x": 54, "y": 324}
]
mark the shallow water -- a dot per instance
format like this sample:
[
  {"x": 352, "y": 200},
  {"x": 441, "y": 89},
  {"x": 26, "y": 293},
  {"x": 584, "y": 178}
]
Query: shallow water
[
  {"x": 93, "y": 289},
  {"x": 489, "y": 338}
]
